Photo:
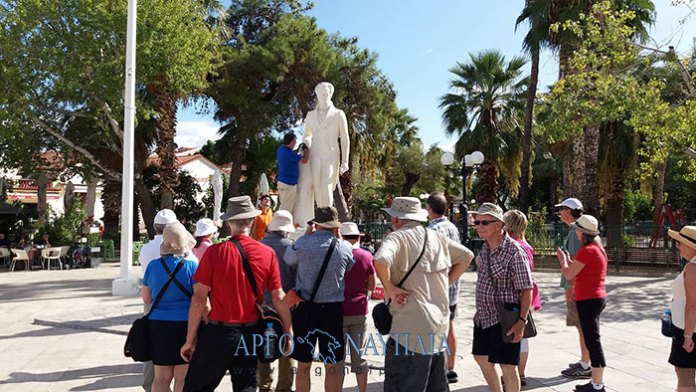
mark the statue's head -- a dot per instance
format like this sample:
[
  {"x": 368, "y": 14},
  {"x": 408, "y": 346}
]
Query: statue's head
[{"x": 324, "y": 91}]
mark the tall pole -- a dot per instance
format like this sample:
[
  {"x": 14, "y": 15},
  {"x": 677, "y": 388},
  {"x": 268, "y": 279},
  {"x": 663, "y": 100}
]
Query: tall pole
[
  {"x": 464, "y": 208},
  {"x": 127, "y": 284}
]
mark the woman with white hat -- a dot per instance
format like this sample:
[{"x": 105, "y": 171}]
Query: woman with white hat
[
  {"x": 589, "y": 269},
  {"x": 205, "y": 229},
  {"x": 683, "y": 309},
  {"x": 168, "y": 317}
]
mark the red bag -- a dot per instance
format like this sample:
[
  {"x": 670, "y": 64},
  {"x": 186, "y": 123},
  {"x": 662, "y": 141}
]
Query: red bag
[{"x": 378, "y": 293}]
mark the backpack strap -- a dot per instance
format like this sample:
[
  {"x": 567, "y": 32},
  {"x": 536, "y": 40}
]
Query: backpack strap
[
  {"x": 247, "y": 269},
  {"x": 166, "y": 285},
  {"x": 174, "y": 279},
  {"x": 420, "y": 256}
]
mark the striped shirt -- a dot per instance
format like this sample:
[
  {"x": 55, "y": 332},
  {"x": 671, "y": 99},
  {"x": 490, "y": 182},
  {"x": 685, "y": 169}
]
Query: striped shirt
[
  {"x": 510, "y": 268},
  {"x": 449, "y": 230}
]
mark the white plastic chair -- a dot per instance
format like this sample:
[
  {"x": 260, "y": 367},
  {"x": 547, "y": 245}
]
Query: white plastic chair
[
  {"x": 5, "y": 256},
  {"x": 51, "y": 254},
  {"x": 19, "y": 255}
]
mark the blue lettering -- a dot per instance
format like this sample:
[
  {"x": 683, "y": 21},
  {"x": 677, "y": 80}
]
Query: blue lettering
[
  {"x": 258, "y": 341},
  {"x": 419, "y": 341},
  {"x": 352, "y": 344},
  {"x": 281, "y": 343},
  {"x": 447, "y": 347},
  {"x": 370, "y": 343},
  {"x": 242, "y": 342}
]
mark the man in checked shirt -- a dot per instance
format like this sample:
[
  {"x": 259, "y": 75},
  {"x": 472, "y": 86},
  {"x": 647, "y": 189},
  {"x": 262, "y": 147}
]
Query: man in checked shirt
[
  {"x": 507, "y": 262},
  {"x": 436, "y": 206}
]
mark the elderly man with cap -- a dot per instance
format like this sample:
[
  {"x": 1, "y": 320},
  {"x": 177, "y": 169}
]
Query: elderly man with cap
[
  {"x": 503, "y": 276},
  {"x": 149, "y": 252},
  {"x": 359, "y": 281},
  {"x": 213, "y": 348},
  {"x": 278, "y": 231},
  {"x": 569, "y": 211},
  {"x": 167, "y": 321},
  {"x": 322, "y": 260},
  {"x": 416, "y": 267}
]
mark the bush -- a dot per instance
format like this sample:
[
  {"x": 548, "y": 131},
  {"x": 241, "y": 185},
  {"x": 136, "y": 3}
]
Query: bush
[
  {"x": 637, "y": 206},
  {"x": 66, "y": 228}
]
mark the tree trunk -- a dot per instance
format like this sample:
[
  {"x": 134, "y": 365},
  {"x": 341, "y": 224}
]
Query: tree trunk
[
  {"x": 659, "y": 189},
  {"x": 487, "y": 191},
  {"x": 147, "y": 206},
  {"x": 527, "y": 135},
  {"x": 166, "y": 147},
  {"x": 341, "y": 206},
  {"x": 567, "y": 167},
  {"x": 345, "y": 182},
  {"x": 42, "y": 184},
  {"x": 238, "y": 158},
  {"x": 590, "y": 198},
  {"x": 615, "y": 211},
  {"x": 410, "y": 180},
  {"x": 577, "y": 169},
  {"x": 111, "y": 199}
]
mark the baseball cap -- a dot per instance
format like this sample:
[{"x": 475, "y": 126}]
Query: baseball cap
[{"x": 572, "y": 203}]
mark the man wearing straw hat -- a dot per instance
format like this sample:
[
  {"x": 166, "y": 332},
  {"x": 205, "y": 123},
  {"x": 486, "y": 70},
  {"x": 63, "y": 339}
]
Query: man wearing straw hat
[
  {"x": 420, "y": 307},
  {"x": 213, "y": 348},
  {"x": 278, "y": 230}
]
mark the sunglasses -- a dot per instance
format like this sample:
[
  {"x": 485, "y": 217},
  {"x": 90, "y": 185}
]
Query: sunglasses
[{"x": 484, "y": 222}]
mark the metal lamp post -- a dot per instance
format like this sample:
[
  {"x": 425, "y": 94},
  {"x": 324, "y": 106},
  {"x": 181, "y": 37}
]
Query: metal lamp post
[{"x": 471, "y": 161}]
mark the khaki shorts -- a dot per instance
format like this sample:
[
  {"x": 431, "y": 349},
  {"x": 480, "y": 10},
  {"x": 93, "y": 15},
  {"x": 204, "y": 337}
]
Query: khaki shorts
[{"x": 572, "y": 317}]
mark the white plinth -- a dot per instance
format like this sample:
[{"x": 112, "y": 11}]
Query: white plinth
[{"x": 125, "y": 287}]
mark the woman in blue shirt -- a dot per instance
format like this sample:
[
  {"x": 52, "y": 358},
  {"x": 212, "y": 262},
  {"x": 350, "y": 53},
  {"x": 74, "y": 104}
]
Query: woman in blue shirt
[{"x": 169, "y": 318}]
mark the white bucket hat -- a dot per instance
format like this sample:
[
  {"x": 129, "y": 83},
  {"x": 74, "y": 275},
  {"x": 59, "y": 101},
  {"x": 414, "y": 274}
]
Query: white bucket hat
[
  {"x": 407, "y": 208},
  {"x": 281, "y": 221},
  {"x": 165, "y": 217},
  {"x": 205, "y": 227},
  {"x": 349, "y": 228}
]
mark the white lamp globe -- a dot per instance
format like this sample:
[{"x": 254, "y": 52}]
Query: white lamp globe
[
  {"x": 447, "y": 158},
  {"x": 468, "y": 160},
  {"x": 477, "y": 157}
]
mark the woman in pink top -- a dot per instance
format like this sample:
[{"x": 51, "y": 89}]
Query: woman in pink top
[
  {"x": 205, "y": 229},
  {"x": 516, "y": 224}
]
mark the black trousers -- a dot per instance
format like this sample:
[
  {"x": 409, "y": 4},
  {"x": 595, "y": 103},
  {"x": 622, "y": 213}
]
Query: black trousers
[
  {"x": 217, "y": 351},
  {"x": 589, "y": 311},
  {"x": 406, "y": 371}
]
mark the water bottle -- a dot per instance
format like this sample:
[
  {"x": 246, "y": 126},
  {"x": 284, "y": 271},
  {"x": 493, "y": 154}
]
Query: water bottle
[
  {"x": 667, "y": 323},
  {"x": 270, "y": 338}
]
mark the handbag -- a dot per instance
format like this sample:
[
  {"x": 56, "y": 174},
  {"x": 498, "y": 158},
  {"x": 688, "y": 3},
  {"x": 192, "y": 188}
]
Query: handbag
[
  {"x": 509, "y": 314},
  {"x": 380, "y": 313},
  {"x": 294, "y": 297},
  {"x": 137, "y": 344}
]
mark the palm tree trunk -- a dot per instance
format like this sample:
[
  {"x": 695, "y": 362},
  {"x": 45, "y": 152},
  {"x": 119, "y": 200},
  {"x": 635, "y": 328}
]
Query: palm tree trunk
[
  {"x": 487, "y": 191},
  {"x": 166, "y": 147},
  {"x": 111, "y": 200},
  {"x": 659, "y": 189},
  {"x": 41, "y": 196},
  {"x": 341, "y": 206},
  {"x": 147, "y": 206},
  {"x": 591, "y": 194},
  {"x": 527, "y": 135},
  {"x": 577, "y": 167},
  {"x": 615, "y": 211}
]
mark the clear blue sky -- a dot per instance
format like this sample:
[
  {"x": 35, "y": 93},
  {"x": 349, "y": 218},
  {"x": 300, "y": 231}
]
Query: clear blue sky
[{"x": 419, "y": 41}]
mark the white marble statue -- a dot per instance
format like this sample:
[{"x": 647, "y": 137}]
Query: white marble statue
[{"x": 326, "y": 135}]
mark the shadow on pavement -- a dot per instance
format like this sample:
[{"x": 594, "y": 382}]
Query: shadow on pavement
[
  {"x": 44, "y": 289},
  {"x": 109, "y": 377},
  {"x": 56, "y": 328}
]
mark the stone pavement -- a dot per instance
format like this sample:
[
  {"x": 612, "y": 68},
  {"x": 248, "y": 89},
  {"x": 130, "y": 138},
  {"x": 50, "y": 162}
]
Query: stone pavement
[{"x": 63, "y": 331}]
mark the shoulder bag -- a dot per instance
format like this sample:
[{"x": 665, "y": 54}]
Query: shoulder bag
[
  {"x": 380, "y": 313},
  {"x": 509, "y": 314},
  {"x": 137, "y": 344}
]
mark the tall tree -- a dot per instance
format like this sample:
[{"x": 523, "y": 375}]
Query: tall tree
[{"x": 485, "y": 112}]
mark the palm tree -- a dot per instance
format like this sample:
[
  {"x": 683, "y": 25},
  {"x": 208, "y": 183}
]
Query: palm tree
[{"x": 484, "y": 111}]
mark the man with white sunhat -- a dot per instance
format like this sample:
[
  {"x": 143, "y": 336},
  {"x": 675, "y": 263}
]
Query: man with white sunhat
[
  {"x": 413, "y": 264},
  {"x": 277, "y": 237}
]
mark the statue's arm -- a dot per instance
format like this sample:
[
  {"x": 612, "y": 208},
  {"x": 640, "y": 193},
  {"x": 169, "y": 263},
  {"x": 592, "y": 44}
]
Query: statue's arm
[
  {"x": 308, "y": 132},
  {"x": 345, "y": 141}
]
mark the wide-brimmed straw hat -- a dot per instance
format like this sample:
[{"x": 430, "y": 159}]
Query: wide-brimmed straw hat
[
  {"x": 587, "y": 224},
  {"x": 489, "y": 209},
  {"x": 685, "y": 236},
  {"x": 240, "y": 207},
  {"x": 326, "y": 217},
  {"x": 281, "y": 221},
  {"x": 407, "y": 208},
  {"x": 205, "y": 227},
  {"x": 176, "y": 240}
]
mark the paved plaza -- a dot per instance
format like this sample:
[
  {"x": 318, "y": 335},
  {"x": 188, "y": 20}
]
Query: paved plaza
[{"x": 64, "y": 331}]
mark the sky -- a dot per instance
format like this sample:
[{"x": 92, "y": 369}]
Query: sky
[{"x": 419, "y": 41}]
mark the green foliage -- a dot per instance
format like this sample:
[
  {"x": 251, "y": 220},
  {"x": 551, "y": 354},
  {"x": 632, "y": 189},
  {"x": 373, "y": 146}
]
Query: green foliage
[
  {"x": 186, "y": 205},
  {"x": 537, "y": 234},
  {"x": 637, "y": 206},
  {"x": 63, "y": 230}
]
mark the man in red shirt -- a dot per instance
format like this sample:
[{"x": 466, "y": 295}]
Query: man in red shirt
[{"x": 213, "y": 347}]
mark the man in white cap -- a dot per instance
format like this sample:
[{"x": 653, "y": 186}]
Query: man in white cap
[
  {"x": 419, "y": 303},
  {"x": 569, "y": 211},
  {"x": 149, "y": 252},
  {"x": 277, "y": 234},
  {"x": 503, "y": 276},
  {"x": 359, "y": 281}
]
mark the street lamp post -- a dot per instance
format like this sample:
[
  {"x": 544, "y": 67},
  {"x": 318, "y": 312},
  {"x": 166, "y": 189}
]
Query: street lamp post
[{"x": 471, "y": 161}]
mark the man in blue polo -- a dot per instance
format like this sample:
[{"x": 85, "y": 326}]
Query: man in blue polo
[{"x": 289, "y": 170}]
